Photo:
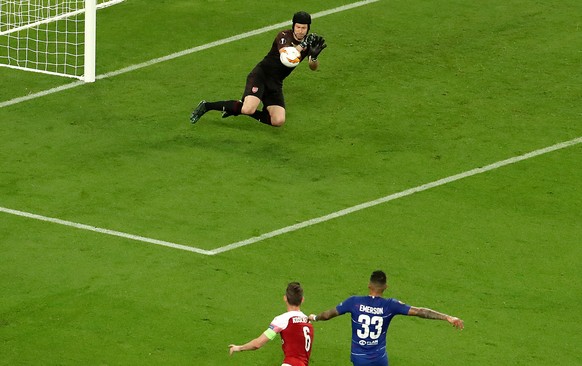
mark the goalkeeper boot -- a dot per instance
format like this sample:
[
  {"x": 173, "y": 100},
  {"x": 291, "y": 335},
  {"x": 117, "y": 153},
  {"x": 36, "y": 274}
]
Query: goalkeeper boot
[{"x": 198, "y": 112}]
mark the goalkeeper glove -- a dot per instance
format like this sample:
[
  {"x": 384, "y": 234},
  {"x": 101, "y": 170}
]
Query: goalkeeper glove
[
  {"x": 317, "y": 46},
  {"x": 308, "y": 41}
]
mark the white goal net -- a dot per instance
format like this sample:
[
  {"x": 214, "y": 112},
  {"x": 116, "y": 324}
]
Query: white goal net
[{"x": 50, "y": 36}]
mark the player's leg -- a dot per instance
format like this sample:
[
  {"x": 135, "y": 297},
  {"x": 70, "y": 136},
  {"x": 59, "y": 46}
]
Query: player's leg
[
  {"x": 274, "y": 103},
  {"x": 254, "y": 87},
  {"x": 230, "y": 107},
  {"x": 250, "y": 100},
  {"x": 227, "y": 107},
  {"x": 254, "y": 91},
  {"x": 277, "y": 114},
  {"x": 250, "y": 105}
]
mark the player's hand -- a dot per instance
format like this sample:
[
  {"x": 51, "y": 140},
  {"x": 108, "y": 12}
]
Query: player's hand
[
  {"x": 308, "y": 40},
  {"x": 233, "y": 348},
  {"x": 311, "y": 317},
  {"x": 314, "y": 39},
  {"x": 317, "y": 46},
  {"x": 456, "y": 322}
]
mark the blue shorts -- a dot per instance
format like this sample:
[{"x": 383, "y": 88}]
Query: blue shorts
[{"x": 381, "y": 361}]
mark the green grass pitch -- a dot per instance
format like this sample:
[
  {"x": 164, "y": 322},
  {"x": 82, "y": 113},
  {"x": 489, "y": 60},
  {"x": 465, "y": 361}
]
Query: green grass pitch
[{"x": 409, "y": 92}]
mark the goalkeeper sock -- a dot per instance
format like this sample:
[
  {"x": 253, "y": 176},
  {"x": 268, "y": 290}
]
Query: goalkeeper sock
[
  {"x": 231, "y": 107},
  {"x": 262, "y": 116}
]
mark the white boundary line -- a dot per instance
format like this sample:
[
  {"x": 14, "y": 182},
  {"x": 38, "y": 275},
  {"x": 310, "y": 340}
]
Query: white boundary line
[
  {"x": 104, "y": 231},
  {"x": 394, "y": 196},
  {"x": 181, "y": 53},
  {"x": 310, "y": 222}
]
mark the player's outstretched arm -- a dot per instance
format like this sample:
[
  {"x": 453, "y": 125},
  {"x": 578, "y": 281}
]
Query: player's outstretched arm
[
  {"x": 317, "y": 45},
  {"x": 431, "y": 314},
  {"x": 313, "y": 64},
  {"x": 255, "y": 344},
  {"x": 326, "y": 315}
]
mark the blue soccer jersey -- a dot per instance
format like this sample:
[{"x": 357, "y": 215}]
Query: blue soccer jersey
[{"x": 371, "y": 317}]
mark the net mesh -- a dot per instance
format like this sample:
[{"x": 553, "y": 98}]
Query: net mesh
[{"x": 44, "y": 35}]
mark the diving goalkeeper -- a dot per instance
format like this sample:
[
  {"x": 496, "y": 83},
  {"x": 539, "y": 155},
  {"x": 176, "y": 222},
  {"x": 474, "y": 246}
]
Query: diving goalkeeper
[{"x": 265, "y": 82}]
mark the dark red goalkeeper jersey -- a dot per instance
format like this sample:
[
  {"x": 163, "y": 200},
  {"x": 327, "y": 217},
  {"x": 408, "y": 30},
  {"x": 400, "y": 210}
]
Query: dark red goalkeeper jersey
[{"x": 271, "y": 64}]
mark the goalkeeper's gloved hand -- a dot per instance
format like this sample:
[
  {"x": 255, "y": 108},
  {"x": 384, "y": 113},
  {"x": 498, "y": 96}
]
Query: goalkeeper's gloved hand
[
  {"x": 308, "y": 40},
  {"x": 316, "y": 47}
]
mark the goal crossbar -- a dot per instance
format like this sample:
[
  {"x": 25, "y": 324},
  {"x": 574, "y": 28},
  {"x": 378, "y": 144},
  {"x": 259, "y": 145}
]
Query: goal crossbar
[{"x": 58, "y": 17}]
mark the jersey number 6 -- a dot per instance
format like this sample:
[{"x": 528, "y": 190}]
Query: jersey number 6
[{"x": 307, "y": 338}]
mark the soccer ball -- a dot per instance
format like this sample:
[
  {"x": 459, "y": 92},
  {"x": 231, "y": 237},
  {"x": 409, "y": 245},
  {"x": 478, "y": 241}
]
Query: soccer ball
[{"x": 290, "y": 57}]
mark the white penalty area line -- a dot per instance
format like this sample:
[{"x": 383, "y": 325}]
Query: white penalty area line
[
  {"x": 181, "y": 53},
  {"x": 307, "y": 223},
  {"x": 104, "y": 231},
  {"x": 394, "y": 196}
]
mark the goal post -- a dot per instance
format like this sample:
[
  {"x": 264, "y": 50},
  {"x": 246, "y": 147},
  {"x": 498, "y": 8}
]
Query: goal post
[
  {"x": 90, "y": 40},
  {"x": 56, "y": 37}
]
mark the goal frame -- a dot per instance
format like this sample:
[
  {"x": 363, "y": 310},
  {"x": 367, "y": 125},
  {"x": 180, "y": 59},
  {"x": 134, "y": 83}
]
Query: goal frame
[{"x": 90, "y": 39}]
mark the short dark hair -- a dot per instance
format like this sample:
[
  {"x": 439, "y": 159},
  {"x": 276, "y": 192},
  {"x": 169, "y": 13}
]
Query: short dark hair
[
  {"x": 378, "y": 277},
  {"x": 294, "y": 293}
]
